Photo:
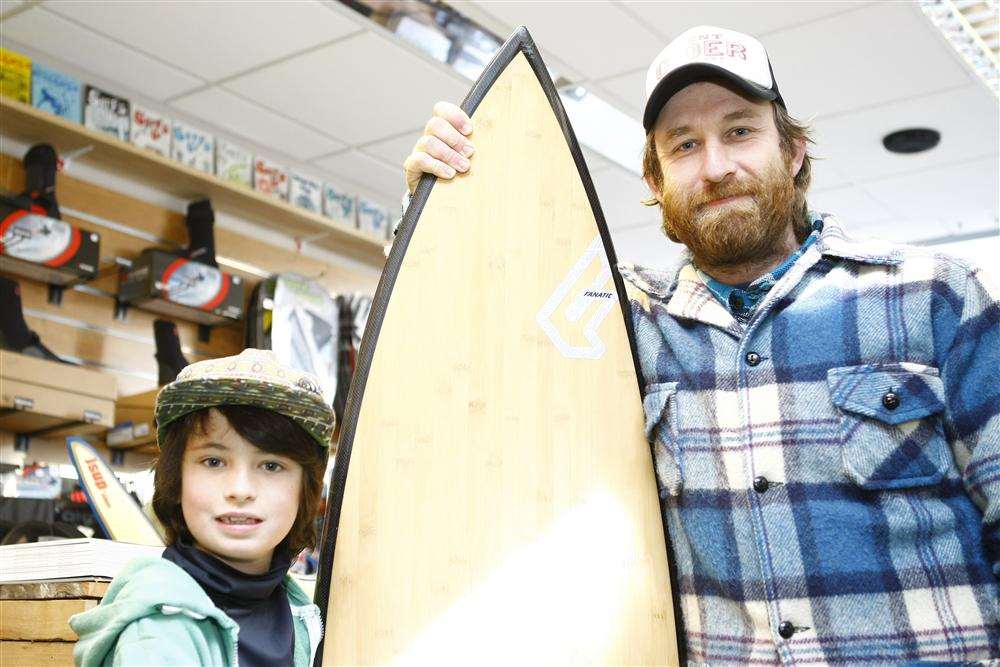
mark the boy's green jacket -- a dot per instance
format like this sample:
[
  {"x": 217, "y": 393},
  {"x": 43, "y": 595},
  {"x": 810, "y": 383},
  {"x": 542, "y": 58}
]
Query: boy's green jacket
[{"x": 154, "y": 613}]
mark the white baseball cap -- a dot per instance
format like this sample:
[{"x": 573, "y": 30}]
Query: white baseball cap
[{"x": 707, "y": 52}]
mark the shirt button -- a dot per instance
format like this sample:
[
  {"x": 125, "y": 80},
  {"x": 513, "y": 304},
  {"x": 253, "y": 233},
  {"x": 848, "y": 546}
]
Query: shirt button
[
  {"x": 786, "y": 630},
  {"x": 760, "y": 484},
  {"x": 753, "y": 358},
  {"x": 890, "y": 400},
  {"x": 735, "y": 301}
]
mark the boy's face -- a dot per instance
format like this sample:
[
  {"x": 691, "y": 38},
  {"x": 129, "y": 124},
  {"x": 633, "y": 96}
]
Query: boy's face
[{"x": 239, "y": 502}]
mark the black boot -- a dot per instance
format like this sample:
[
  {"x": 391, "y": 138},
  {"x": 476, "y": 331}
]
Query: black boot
[
  {"x": 201, "y": 235},
  {"x": 40, "y": 178},
  {"x": 14, "y": 332},
  {"x": 169, "y": 358}
]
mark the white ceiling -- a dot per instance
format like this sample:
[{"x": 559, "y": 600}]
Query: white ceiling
[{"x": 319, "y": 87}]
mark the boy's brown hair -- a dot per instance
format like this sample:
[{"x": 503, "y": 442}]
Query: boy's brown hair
[{"x": 271, "y": 432}]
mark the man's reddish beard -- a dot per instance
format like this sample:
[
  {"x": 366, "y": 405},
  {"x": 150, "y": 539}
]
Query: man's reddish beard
[{"x": 748, "y": 230}]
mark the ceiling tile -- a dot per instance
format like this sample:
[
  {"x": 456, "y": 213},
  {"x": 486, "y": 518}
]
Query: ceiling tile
[
  {"x": 365, "y": 170},
  {"x": 848, "y": 61},
  {"x": 358, "y": 90},
  {"x": 51, "y": 34},
  {"x": 852, "y": 206},
  {"x": 940, "y": 201},
  {"x": 257, "y": 124},
  {"x": 213, "y": 39},
  {"x": 582, "y": 34},
  {"x": 645, "y": 245},
  {"x": 825, "y": 175},
  {"x": 595, "y": 161},
  {"x": 966, "y": 119},
  {"x": 395, "y": 150},
  {"x": 621, "y": 194},
  {"x": 629, "y": 89},
  {"x": 757, "y": 18}
]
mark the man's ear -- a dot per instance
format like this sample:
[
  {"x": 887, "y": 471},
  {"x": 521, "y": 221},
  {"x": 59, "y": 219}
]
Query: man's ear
[
  {"x": 798, "y": 156},
  {"x": 654, "y": 187}
]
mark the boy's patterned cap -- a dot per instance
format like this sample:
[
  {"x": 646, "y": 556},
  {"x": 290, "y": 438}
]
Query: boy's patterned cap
[{"x": 253, "y": 377}]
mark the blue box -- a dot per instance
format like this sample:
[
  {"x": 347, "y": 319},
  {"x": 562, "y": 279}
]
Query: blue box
[{"x": 57, "y": 93}]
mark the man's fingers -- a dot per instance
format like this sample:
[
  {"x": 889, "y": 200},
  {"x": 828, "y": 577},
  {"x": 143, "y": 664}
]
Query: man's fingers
[
  {"x": 455, "y": 116},
  {"x": 442, "y": 151},
  {"x": 446, "y": 132},
  {"x": 420, "y": 162}
]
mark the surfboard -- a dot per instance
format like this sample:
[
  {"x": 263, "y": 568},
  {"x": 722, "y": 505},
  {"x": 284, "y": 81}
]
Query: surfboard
[
  {"x": 117, "y": 511},
  {"x": 493, "y": 499}
]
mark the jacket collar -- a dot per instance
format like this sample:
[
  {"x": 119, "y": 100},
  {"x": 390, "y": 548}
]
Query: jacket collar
[{"x": 834, "y": 241}]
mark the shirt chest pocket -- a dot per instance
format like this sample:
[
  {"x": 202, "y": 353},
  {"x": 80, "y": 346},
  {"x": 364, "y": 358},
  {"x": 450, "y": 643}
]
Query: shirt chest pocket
[
  {"x": 890, "y": 424},
  {"x": 659, "y": 403}
]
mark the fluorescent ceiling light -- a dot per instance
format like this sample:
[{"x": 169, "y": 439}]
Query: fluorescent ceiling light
[
  {"x": 604, "y": 129},
  {"x": 965, "y": 25}
]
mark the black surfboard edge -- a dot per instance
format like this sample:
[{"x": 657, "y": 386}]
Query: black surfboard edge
[{"x": 520, "y": 41}]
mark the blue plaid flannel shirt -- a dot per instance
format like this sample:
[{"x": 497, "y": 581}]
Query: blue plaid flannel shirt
[{"x": 830, "y": 470}]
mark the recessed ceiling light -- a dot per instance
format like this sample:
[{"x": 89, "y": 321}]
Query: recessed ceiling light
[{"x": 911, "y": 140}]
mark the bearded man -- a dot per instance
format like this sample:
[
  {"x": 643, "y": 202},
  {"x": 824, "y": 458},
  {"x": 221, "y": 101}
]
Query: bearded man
[{"x": 824, "y": 412}]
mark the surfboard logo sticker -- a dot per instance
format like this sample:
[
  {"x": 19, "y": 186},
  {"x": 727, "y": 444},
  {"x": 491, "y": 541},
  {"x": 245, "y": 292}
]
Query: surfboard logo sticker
[{"x": 595, "y": 298}]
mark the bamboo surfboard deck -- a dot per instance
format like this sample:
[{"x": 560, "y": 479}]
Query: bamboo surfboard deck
[{"x": 493, "y": 499}]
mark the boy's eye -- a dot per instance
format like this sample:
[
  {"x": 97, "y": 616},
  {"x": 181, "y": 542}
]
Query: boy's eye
[{"x": 273, "y": 466}]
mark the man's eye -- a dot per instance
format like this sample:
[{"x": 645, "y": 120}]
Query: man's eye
[
  {"x": 741, "y": 131},
  {"x": 273, "y": 466},
  {"x": 685, "y": 147}
]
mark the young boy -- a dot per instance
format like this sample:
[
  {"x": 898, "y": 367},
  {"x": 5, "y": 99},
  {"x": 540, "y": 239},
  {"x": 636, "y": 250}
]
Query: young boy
[{"x": 243, "y": 446}]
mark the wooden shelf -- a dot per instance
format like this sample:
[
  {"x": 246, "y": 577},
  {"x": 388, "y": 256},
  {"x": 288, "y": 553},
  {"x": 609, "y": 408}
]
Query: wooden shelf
[
  {"x": 136, "y": 410},
  {"x": 31, "y": 125}
]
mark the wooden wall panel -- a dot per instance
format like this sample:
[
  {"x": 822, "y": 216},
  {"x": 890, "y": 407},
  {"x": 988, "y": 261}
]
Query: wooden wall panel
[{"x": 84, "y": 327}]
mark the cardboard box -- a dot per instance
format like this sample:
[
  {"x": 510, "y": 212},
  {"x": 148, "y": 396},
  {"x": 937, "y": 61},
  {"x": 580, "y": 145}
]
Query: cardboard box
[
  {"x": 150, "y": 130},
  {"x": 45, "y": 249},
  {"x": 373, "y": 219},
  {"x": 43, "y": 395},
  {"x": 166, "y": 283},
  {"x": 340, "y": 205},
  {"x": 233, "y": 163},
  {"x": 106, "y": 113},
  {"x": 57, "y": 93},
  {"x": 270, "y": 178},
  {"x": 193, "y": 147},
  {"x": 15, "y": 76},
  {"x": 306, "y": 193}
]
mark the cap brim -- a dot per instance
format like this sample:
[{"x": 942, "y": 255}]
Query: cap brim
[{"x": 688, "y": 74}]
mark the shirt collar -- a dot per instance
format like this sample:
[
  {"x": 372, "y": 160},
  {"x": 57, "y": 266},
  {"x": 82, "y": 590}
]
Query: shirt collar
[{"x": 742, "y": 300}]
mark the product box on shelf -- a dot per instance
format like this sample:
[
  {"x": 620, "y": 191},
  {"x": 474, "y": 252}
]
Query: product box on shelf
[
  {"x": 270, "y": 178},
  {"x": 150, "y": 130},
  {"x": 373, "y": 219},
  {"x": 15, "y": 76},
  {"x": 340, "y": 205},
  {"x": 233, "y": 163},
  {"x": 166, "y": 283},
  {"x": 106, "y": 113},
  {"x": 57, "y": 93},
  {"x": 193, "y": 147},
  {"x": 45, "y": 249},
  {"x": 306, "y": 193}
]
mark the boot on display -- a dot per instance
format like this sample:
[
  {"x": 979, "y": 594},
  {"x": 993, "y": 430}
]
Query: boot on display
[
  {"x": 169, "y": 357},
  {"x": 14, "y": 332}
]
